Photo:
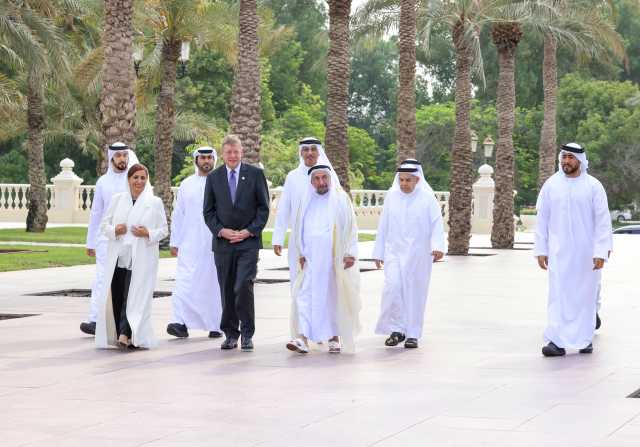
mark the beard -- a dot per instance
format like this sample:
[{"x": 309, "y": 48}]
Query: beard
[
  {"x": 567, "y": 169},
  {"x": 120, "y": 166},
  {"x": 322, "y": 190},
  {"x": 205, "y": 168}
]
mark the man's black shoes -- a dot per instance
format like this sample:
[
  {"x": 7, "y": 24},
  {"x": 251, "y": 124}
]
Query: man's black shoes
[
  {"x": 551, "y": 350},
  {"x": 247, "y": 344},
  {"x": 177, "y": 330},
  {"x": 229, "y": 343},
  {"x": 88, "y": 327},
  {"x": 587, "y": 350},
  {"x": 215, "y": 334}
]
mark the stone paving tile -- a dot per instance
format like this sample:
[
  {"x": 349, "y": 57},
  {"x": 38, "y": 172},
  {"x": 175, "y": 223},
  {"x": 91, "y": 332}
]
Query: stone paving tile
[{"x": 478, "y": 378}]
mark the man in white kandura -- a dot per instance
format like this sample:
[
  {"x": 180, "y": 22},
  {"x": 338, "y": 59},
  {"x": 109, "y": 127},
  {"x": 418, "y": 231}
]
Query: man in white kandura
[
  {"x": 326, "y": 294},
  {"x": 196, "y": 297},
  {"x": 120, "y": 159},
  {"x": 310, "y": 153},
  {"x": 572, "y": 241},
  {"x": 409, "y": 240}
]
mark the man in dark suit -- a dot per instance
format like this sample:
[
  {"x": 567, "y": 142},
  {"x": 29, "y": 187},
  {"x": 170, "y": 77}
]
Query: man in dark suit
[{"x": 236, "y": 209}]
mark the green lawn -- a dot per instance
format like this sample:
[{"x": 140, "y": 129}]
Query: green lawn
[{"x": 46, "y": 256}]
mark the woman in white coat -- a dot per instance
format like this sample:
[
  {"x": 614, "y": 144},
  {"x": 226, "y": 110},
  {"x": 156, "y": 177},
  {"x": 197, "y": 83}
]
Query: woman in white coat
[{"x": 134, "y": 224}]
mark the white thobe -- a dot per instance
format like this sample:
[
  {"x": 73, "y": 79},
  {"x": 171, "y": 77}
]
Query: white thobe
[
  {"x": 410, "y": 229},
  {"x": 573, "y": 227},
  {"x": 148, "y": 211},
  {"x": 106, "y": 187},
  {"x": 293, "y": 191},
  {"x": 316, "y": 300},
  {"x": 196, "y": 296}
]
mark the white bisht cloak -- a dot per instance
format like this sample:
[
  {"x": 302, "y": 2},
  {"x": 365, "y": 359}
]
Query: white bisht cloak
[
  {"x": 324, "y": 273},
  {"x": 293, "y": 193},
  {"x": 148, "y": 211},
  {"x": 573, "y": 226},
  {"x": 196, "y": 296},
  {"x": 107, "y": 186},
  {"x": 410, "y": 229}
]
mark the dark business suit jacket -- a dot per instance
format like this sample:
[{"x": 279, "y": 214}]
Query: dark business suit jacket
[{"x": 250, "y": 211}]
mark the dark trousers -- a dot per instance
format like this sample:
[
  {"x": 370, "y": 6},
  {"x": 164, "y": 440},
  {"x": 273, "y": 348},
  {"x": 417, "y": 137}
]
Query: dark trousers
[
  {"x": 237, "y": 271},
  {"x": 119, "y": 292}
]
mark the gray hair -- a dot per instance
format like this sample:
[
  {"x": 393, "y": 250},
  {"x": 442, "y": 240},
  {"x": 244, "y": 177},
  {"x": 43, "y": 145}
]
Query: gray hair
[{"x": 231, "y": 140}]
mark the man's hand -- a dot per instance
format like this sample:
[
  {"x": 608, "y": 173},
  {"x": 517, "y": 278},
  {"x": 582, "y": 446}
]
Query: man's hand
[
  {"x": 437, "y": 255},
  {"x": 227, "y": 233},
  {"x": 121, "y": 229},
  {"x": 302, "y": 261},
  {"x": 379, "y": 263},
  {"x": 543, "y": 262},
  {"x": 91, "y": 252},
  {"x": 139, "y": 231},
  {"x": 349, "y": 261},
  {"x": 277, "y": 249},
  {"x": 174, "y": 251},
  {"x": 240, "y": 236},
  {"x": 598, "y": 263}
]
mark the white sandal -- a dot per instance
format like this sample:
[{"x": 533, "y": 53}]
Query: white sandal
[
  {"x": 334, "y": 347},
  {"x": 298, "y": 345}
]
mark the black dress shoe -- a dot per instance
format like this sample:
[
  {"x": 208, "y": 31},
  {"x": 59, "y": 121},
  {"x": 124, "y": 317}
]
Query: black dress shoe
[
  {"x": 215, "y": 334},
  {"x": 598, "y": 321},
  {"x": 411, "y": 343},
  {"x": 229, "y": 343},
  {"x": 551, "y": 350},
  {"x": 247, "y": 344},
  {"x": 88, "y": 328},
  {"x": 587, "y": 350},
  {"x": 394, "y": 339},
  {"x": 177, "y": 330}
]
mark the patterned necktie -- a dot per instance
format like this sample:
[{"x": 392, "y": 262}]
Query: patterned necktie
[{"x": 232, "y": 186}]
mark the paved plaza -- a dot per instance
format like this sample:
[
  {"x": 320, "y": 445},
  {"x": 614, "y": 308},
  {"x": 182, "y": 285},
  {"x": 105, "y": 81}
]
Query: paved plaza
[{"x": 478, "y": 378}]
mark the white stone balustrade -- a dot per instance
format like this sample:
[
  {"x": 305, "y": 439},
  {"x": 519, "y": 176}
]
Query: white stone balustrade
[{"x": 70, "y": 201}]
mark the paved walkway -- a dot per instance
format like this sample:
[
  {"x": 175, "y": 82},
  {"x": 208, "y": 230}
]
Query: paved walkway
[{"x": 478, "y": 378}]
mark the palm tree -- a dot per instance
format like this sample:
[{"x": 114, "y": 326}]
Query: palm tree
[
  {"x": 31, "y": 41},
  {"x": 118, "y": 102},
  {"x": 338, "y": 73},
  {"x": 246, "y": 120},
  {"x": 406, "y": 120},
  {"x": 506, "y": 37},
  {"x": 589, "y": 29}
]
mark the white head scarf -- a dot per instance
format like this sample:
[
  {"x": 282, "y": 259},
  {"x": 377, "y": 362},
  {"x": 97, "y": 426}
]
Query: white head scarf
[
  {"x": 577, "y": 151},
  {"x": 205, "y": 150},
  {"x": 322, "y": 159},
  {"x": 113, "y": 150},
  {"x": 411, "y": 163}
]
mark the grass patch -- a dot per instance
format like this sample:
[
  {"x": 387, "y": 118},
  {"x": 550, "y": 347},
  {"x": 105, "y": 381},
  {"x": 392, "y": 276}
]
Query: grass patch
[
  {"x": 45, "y": 257},
  {"x": 63, "y": 235},
  {"x": 78, "y": 235}
]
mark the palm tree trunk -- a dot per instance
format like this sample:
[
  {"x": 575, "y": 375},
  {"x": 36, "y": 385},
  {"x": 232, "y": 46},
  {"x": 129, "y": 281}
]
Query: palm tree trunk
[
  {"x": 406, "y": 121},
  {"x": 338, "y": 73},
  {"x": 117, "y": 101},
  {"x": 37, "y": 215},
  {"x": 460, "y": 184},
  {"x": 246, "y": 121},
  {"x": 506, "y": 37},
  {"x": 165, "y": 124},
  {"x": 547, "y": 149}
]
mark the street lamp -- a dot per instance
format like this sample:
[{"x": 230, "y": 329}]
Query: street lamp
[
  {"x": 185, "y": 48},
  {"x": 474, "y": 141},
  {"x": 138, "y": 51},
  {"x": 488, "y": 148}
]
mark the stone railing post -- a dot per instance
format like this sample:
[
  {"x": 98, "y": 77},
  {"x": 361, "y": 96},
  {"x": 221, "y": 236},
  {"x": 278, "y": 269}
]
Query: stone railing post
[
  {"x": 65, "y": 192},
  {"x": 483, "y": 190}
]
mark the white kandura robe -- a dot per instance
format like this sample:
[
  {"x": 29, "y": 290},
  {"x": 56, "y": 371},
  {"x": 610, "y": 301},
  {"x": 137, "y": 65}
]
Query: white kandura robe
[
  {"x": 573, "y": 226},
  {"x": 410, "y": 228},
  {"x": 293, "y": 192},
  {"x": 148, "y": 211},
  {"x": 325, "y": 296},
  {"x": 107, "y": 186},
  {"x": 196, "y": 296}
]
